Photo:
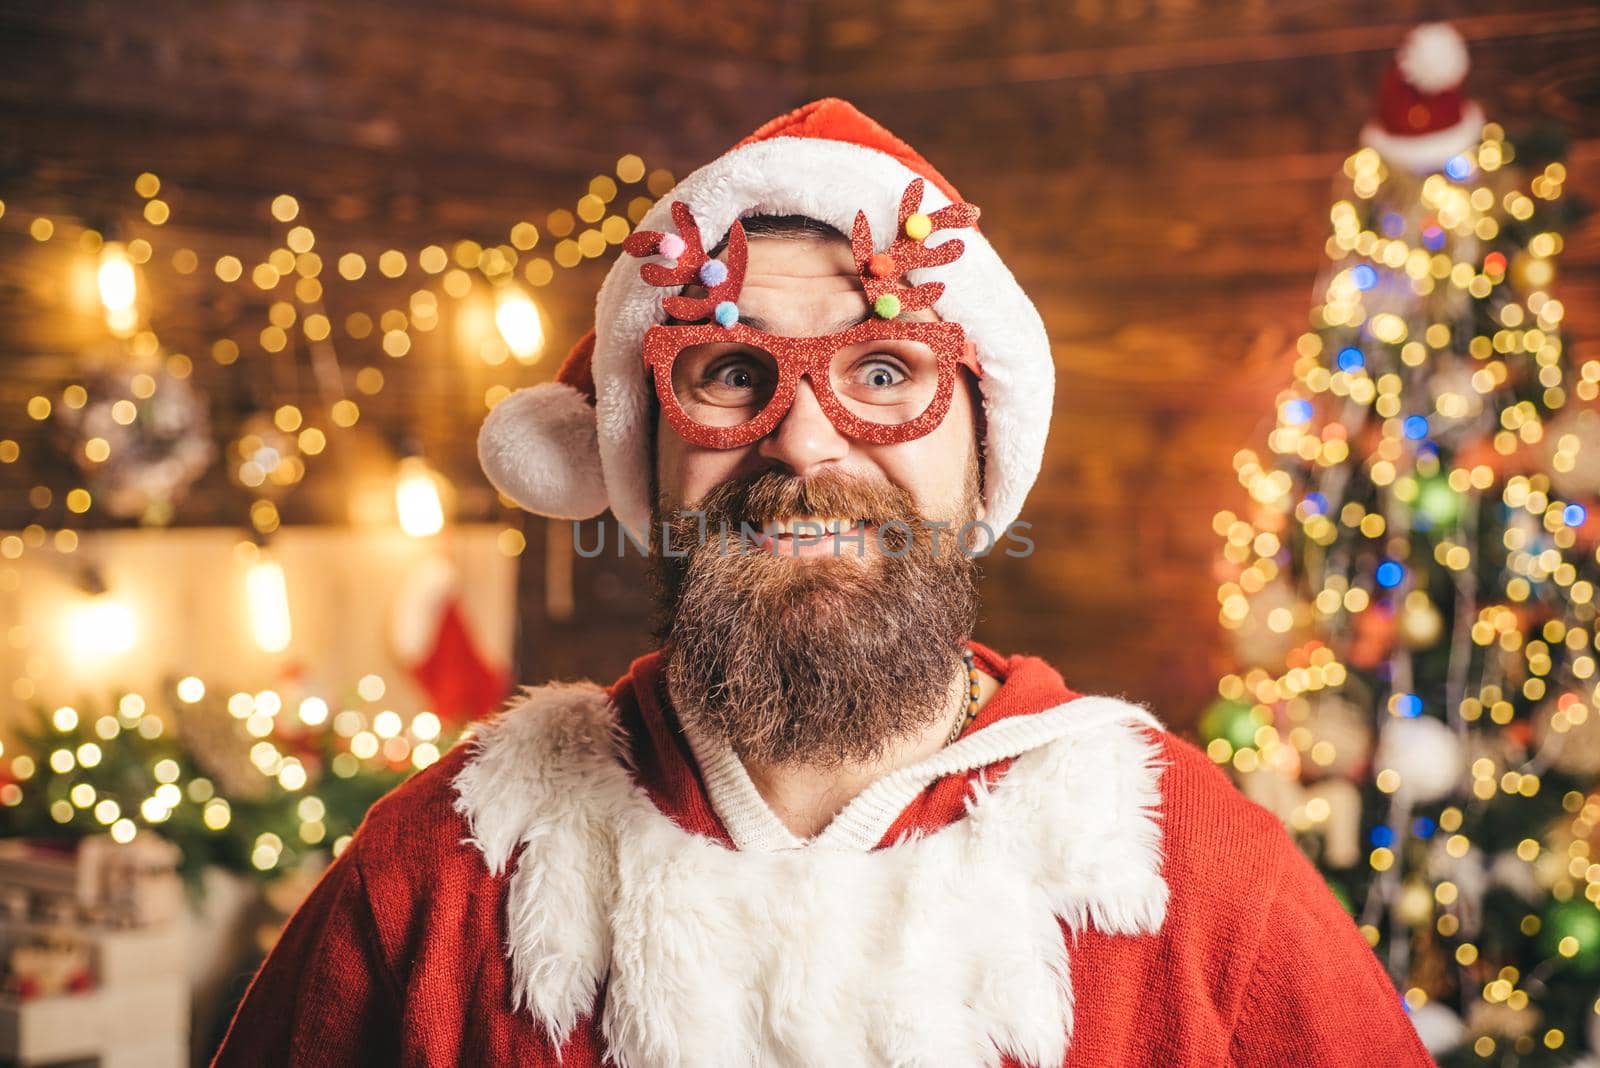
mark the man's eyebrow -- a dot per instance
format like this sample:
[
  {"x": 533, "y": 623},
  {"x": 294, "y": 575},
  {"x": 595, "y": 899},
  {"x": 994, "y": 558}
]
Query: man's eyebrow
[{"x": 755, "y": 322}]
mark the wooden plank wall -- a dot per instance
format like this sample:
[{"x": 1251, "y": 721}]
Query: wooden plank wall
[{"x": 1157, "y": 173}]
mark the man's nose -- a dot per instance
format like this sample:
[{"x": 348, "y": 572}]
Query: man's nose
[{"x": 804, "y": 438}]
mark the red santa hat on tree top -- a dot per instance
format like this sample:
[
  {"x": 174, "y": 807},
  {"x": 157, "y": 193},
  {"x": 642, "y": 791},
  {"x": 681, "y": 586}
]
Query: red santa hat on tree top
[
  {"x": 573, "y": 447},
  {"x": 1422, "y": 118}
]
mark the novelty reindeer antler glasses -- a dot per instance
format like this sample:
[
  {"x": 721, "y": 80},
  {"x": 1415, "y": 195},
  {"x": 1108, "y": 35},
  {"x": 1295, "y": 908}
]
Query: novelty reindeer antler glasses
[{"x": 724, "y": 384}]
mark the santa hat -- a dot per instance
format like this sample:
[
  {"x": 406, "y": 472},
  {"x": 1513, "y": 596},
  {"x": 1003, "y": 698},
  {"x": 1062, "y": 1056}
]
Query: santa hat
[
  {"x": 570, "y": 448},
  {"x": 1422, "y": 119}
]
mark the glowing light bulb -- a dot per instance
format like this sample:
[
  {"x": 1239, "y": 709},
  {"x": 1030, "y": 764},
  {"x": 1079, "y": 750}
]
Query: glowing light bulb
[
  {"x": 268, "y": 596},
  {"x": 118, "y": 288},
  {"x": 416, "y": 499},
  {"x": 517, "y": 318},
  {"x": 101, "y": 626}
]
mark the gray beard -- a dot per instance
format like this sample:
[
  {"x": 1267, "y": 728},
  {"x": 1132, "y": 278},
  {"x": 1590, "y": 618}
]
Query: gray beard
[{"x": 817, "y": 662}]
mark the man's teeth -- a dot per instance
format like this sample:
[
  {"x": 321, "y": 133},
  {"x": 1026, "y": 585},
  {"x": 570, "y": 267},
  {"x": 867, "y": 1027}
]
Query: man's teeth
[{"x": 808, "y": 525}]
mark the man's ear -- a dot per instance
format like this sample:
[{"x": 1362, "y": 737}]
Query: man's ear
[{"x": 980, "y": 432}]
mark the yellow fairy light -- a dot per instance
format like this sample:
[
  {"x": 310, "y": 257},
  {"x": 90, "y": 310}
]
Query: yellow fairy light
[
  {"x": 433, "y": 259},
  {"x": 344, "y": 413},
  {"x": 417, "y": 500},
  {"x": 313, "y": 711},
  {"x": 216, "y": 814},
  {"x": 518, "y": 320}
]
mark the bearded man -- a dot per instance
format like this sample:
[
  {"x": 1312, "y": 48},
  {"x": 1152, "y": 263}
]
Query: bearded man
[{"x": 820, "y": 825}]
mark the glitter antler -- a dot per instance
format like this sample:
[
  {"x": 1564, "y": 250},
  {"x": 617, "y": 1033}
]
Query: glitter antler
[
  {"x": 692, "y": 266},
  {"x": 880, "y": 271}
]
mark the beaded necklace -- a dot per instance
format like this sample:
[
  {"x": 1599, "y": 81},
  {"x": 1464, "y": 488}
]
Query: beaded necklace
[{"x": 971, "y": 712}]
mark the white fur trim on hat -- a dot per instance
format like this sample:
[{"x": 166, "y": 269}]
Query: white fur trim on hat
[
  {"x": 830, "y": 181},
  {"x": 1430, "y": 151},
  {"x": 538, "y": 447}
]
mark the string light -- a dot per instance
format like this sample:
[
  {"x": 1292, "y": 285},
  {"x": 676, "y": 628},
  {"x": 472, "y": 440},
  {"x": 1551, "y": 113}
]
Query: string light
[
  {"x": 416, "y": 498},
  {"x": 267, "y": 595}
]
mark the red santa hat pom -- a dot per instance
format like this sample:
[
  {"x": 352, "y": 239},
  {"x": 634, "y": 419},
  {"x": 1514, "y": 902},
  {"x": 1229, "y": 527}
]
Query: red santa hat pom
[
  {"x": 539, "y": 446},
  {"x": 1422, "y": 119}
]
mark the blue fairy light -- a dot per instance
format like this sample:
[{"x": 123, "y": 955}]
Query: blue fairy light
[
  {"x": 1316, "y": 503},
  {"x": 1389, "y": 574},
  {"x": 1297, "y": 411},
  {"x": 1416, "y": 427},
  {"x": 1408, "y": 705},
  {"x": 1423, "y": 827},
  {"x": 1433, "y": 238},
  {"x": 1382, "y": 836},
  {"x": 1351, "y": 359},
  {"x": 1573, "y": 515},
  {"x": 1394, "y": 224},
  {"x": 1364, "y": 276},
  {"x": 1458, "y": 167}
]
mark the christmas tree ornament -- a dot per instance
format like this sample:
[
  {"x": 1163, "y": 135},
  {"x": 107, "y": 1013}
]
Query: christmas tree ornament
[
  {"x": 1438, "y": 502},
  {"x": 1439, "y": 1027},
  {"x": 1275, "y": 625},
  {"x": 1422, "y": 117},
  {"x": 1346, "y": 727},
  {"x": 1467, "y": 872},
  {"x": 142, "y": 438},
  {"x": 1420, "y": 622},
  {"x": 1427, "y": 755},
  {"x": 1374, "y": 638},
  {"x": 1232, "y": 721},
  {"x": 1569, "y": 932},
  {"x": 1566, "y": 732},
  {"x": 1570, "y": 452},
  {"x": 1415, "y": 904},
  {"x": 1530, "y": 273}
]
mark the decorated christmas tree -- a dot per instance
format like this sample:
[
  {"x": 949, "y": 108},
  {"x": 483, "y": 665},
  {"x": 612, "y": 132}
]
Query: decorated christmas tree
[{"x": 1411, "y": 589}]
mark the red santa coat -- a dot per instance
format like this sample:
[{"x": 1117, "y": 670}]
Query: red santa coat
[{"x": 1065, "y": 884}]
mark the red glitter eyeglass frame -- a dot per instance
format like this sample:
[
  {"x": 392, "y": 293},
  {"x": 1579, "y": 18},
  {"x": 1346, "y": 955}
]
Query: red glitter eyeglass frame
[{"x": 807, "y": 357}]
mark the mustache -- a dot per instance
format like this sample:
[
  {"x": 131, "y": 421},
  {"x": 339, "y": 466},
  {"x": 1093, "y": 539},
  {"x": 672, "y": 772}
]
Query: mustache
[{"x": 766, "y": 496}]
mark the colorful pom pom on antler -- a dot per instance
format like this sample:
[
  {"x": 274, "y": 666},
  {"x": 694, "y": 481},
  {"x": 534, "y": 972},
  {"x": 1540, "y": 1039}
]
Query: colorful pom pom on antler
[
  {"x": 713, "y": 273},
  {"x": 882, "y": 265},
  {"x": 880, "y": 271},
  {"x": 727, "y": 313},
  {"x": 721, "y": 279}
]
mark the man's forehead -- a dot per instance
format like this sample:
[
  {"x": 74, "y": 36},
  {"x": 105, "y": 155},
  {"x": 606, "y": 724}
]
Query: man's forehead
[{"x": 805, "y": 286}]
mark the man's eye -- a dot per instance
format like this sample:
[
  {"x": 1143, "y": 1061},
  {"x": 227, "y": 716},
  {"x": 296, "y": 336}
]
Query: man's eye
[
  {"x": 738, "y": 373},
  {"x": 880, "y": 374}
]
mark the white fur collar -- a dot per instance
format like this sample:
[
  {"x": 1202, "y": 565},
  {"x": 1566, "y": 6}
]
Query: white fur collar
[{"x": 942, "y": 949}]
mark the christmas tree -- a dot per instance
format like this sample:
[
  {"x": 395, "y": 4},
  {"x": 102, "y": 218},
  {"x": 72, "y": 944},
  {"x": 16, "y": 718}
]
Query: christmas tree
[{"x": 1411, "y": 589}]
